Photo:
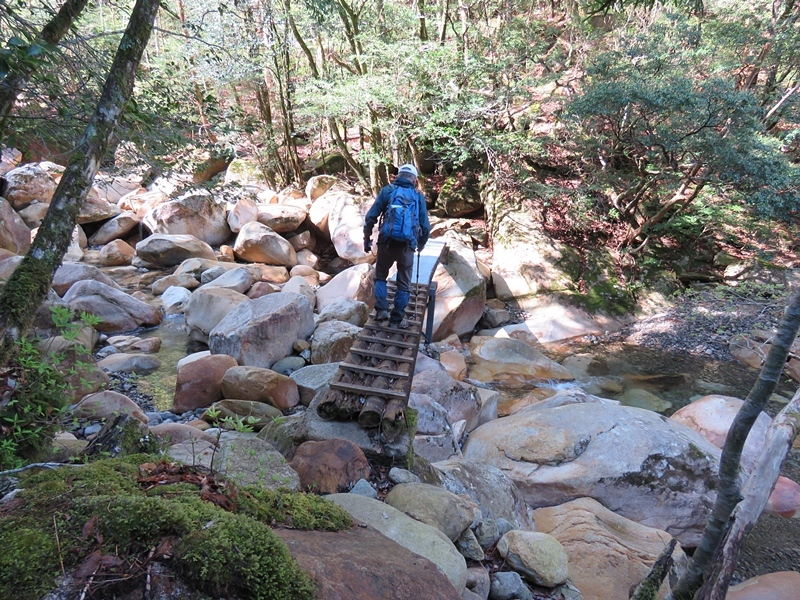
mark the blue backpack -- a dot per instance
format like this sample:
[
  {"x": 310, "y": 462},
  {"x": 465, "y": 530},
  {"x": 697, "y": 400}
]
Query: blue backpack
[{"x": 401, "y": 220}]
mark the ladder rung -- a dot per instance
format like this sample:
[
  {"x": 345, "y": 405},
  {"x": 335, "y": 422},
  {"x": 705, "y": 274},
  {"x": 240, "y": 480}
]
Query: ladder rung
[
  {"x": 371, "y": 338},
  {"x": 386, "y": 355},
  {"x": 365, "y": 390},
  {"x": 373, "y": 371}
]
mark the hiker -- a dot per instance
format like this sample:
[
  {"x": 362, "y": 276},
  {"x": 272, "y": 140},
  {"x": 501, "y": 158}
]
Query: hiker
[{"x": 403, "y": 228}]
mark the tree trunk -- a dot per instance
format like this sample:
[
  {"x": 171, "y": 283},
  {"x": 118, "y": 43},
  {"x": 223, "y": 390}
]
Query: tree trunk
[
  {"x": 29, "y": 284},
  {"x": 14, "y": 82},
  {"x": 729, "y": 494}
]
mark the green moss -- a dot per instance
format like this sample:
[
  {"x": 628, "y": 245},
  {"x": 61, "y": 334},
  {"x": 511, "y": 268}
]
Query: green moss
[{"x": 100, "y": 507}]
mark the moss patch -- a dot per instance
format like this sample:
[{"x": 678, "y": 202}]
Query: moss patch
[{"x": 70, "y": 513}]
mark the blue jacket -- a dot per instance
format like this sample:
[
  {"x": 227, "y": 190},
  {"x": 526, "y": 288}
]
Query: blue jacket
[{"x": 382, "y": 203}]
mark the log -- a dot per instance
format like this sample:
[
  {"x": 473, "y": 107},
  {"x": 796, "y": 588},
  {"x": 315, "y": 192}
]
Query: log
[
  {"x": 394, "y": 420},
  {"x": 348, "y": 407},
  {"x": 755, "y": 494},
  {"x": 372, "y": 412},
  {"x": 328, "y": 406}
]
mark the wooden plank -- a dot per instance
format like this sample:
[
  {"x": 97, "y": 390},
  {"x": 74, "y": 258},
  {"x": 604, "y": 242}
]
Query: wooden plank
[
  {"x": 368, "y": 391},
  {"x": 376, "y": 354},
  {"x": 373, "y": 371},
  {"x": 391, "y": 330}
]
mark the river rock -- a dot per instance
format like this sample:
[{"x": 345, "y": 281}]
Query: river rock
[
  {"x": 644, "y": 467},
  {"x": 94, "y": 209},
  {"x": 169, "y": 250},
  {"x": 263, "y": 330},
  {"x": 115, "y": 228},
  {"x": 508, "y": 585},
  {"x": 207, "y": 308},
  {"x": 459, "y": 399},
  {"x": 537, "y": 556},
  {"x": 641, "y": 398},
  {"x": 258, "y": 243},
  {"x": 303, "y": 240},
  {"x": 330, "y": 466},
  {"x": 782, "y": 585},
  {"x": 175, "y": 299},
  {"x": 116, "y": 253},
  {"x": 608, "y": 554},
  {"x": 355, "y": 283},
  {"x": 118, "y": 310},
  {"x": 262, "y": 288},
  {"x": 199, "y": 383},
  {"x": 281, "y": 218},
  {"x": 239, "y": 280},
  {"x": 347, "y": 310},
  {"x": 299, "y": 285},
  {"x": 141, "y": 201},
  {"x": 107, "y": 404},
  {"x": 319, "y": 184},
  {"x": 141, "y": 364},
  {"x": 33, "y": 214},
  {"x": 432, "y": 417},
  {"x": 179, "y": 433},
  {"x": 784, "y": 500},
  {"x": 346, "y": 225},
  {"x": 194, "y": 213},
  {"x": 386, "y": 569},
  {"x": 332, "y": 341},
  {"x": 511, "y": 361},
  {"x": 435, "y": 506},
  {"x": 243, "y": 212},
  {"x": 312, "y": 379},
  {"x": 454, "y": 363},
  {"x": 461, "y": 292},
  {"x": 11, "y": 157},
  {"x": 248, "y": 460},
  {"x": 260, "y": 385},
  {"x": 70, "y": 273},
  {"x": 318, "y": 214},
  {"x": 256, "y": 414},
  {"x": 28, "y": 183},
  {"x": 418, "y": 537},
  {"x": 490, "y": 488},
  {"x": 711, "y": 416},
  {"x": 184, "y": 280},
  {"x": 14, "y": 233}
]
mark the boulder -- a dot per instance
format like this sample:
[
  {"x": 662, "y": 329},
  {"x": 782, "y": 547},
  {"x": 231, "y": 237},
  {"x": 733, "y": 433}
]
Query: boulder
[
  {"x": 312, "y": 379},
  {"x": 281, "y": 218},
  {"x": 207, "y": 308},
  {"x": 10, "y": 159},
  {"x": 238, "y": 279},
  {"x": 461, "y": 292},
  {"x": 15, "y": 236},
  {"x": 256, "y": 414},
  {"x": 454, "y": 363},
  {"x": 118, "y": 310},
  {"x": 318, "y": 215},
  {"x": 307, "y": 258},
  {"x": 178, "y": 433},
  {"x": 115, "y": 228},
  {"x": 107, "y": 404},
  {"x": 116, "y": 253},
  {"x": 782, "y": 585},
  {"x": 538, "y": 557},
  {"x": 347, "y": 310},
  {"x": 329, "y": 466},
  {"x": 332, "y": 341},
  {"x": 70, "y": 273},
  {"x": 386, "y": 569},
  {"x": 183, "y": 280},
  {"x": 304, "y": 240},
  {"x": 784, "y": 500},
  {"x": 247, "y": 460},
  {"x": 243, "y": 212},
  {"x": 635, "y": 462},
  {"x": 175, "y": 300},
  {"x": 131, "y": 343},
  {"x": 141, "y": 364},
  {"x": 608, "y": 554},
  {"x": 512, "y": 362},
  {"x": 435, "y": 506},
  {"x": 33, "y": 214},
  {"x": 418, "y": 537},
  {"x": 263, "y": 330},
  {"x": 141, "y": 202},
  {"x": 258, "y": 243},
  {"x": 199, "y": 383},
  {"x": 459, "y": 399},
  {"x": 299, "y": 285},
  {"x": 318, "y": 185},
  {"x": 346, "y": 225},
  {"x": 711, "y": 416},
  {"x": 355, "y": 283},
  {"x": 194, "y": 213},
  {"x": 28, "y": 183},
  {"x": 260, "y": 385},
  {"x": 95, "y": 208},
  {"x": 166, "y": 250},
  {"x": 459, "y": 195},
  {"x": 487, "y": 486}
]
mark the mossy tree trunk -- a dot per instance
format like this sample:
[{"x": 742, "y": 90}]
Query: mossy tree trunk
[
  {"x": 729, "y": 494},
  {"x": 28, "y": 286},
  {"x": 51, "y": 34}
]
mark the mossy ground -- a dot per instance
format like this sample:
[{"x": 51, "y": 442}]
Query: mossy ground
[{"x": 64, "y": 516}]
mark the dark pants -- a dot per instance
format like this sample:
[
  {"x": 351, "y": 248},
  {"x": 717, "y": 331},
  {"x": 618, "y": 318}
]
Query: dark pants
[{"x": 388, "y": 254}]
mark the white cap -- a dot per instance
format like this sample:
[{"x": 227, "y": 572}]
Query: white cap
[{"x": 410, "y": 169}]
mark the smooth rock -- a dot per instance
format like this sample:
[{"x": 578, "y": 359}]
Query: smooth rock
[
  {"x": 199, "y": 383},
  {"x": 256, "y": 242},
  {"x": 207, "y": 308},
  {"x": 355, "y": 283},
  {"x": 329, "y": 466},
  {"x": 512, "y": 361},
  {"x": 141, "y": 364},
  {"x": 165, "y": 250},
  {"x": 106, "y": 404},
  {"x": 433, "y": 505},
  {"x": 261, "y": 385},
  {"x": 332, "y": 341},
  {"x": 251, "y": 461},
  {"x": 312, "y": 379}
]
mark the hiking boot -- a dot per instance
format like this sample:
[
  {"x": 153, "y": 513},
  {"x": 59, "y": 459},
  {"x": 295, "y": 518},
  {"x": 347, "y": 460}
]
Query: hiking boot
[
  {"x": 382, "y": 315},
  {"x": 399, "y": 324}
]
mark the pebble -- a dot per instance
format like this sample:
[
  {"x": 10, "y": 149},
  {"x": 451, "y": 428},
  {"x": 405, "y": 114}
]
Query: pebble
[
  {"x": 363, "y": 488},
  {"x": 398, "y": 475}
]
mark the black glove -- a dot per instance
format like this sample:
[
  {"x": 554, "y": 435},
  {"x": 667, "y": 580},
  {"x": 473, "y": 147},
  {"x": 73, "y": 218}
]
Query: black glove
[{"x": 367, "y": 245}]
